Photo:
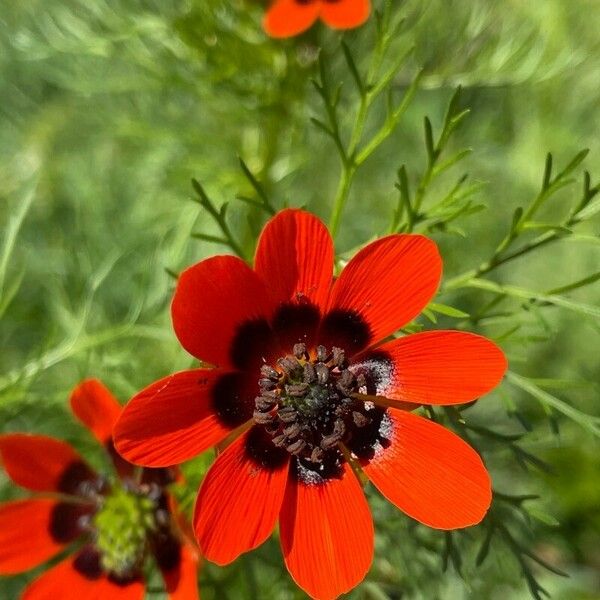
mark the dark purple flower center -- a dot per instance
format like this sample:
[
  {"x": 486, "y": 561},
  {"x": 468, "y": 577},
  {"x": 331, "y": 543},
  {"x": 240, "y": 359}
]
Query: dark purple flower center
[{"x": 309, "y": 403}]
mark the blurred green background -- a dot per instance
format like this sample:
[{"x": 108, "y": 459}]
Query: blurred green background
[{"x": 108, "y": 109}]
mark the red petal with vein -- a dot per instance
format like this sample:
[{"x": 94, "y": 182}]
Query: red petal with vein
[
  {"x": 36, "y": 462},
  {"x": 295, "y": 258},
  {"x": 25, "y": 539},
  {"x": 238, "y": 503},
  {"x": 430, "y": 473},
  {"x": 326, "y": 534},
  {"x": 389, "y": 282},
  {"x": 170, "y": 421},
  {"x": 213, "y": 298},
  {"x": 95, "y": 406},
  {"x": 442, "y": 367},
  {"x": 345, "y": 14},
  {"x": 289, "y": 17},
  {"x": 182, "y": 581},
  {"x": 65, "y": 582}
]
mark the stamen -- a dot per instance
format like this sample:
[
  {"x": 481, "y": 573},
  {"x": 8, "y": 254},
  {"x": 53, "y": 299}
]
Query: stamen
[
  {"x": 300, "y": 351},
  {"x": 269, "y": 372},
  {"x": 296, "y": 390},
  {"x": 359, "y": 419},
  {"x": 310, "y": 373},
  {"x": 297, "y": 447},
  {"x": 321, "y": 354},
  {"x": 263, "y": 418},
  {"x": 267, "y": 384},
  {"x": 121, "y": 526},
  {"x": 309, "y": 404},
  {"x": 339, "y": 357},
  {"x": 264, "y": 403},
  {"x": 322, "y": 373},
  {"x": 288, "y": 414},
  {"x": 289, "y": 365}
]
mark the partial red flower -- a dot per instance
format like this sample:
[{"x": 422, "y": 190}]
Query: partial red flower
[
  {"x": 111, "y": 526},
  {"x": 311, "y": 387},
  {"x": 287, "y": 18}
]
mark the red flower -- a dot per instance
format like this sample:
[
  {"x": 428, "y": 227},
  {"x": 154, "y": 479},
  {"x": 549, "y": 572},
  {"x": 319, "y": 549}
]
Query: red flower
[
  {"x": 308, "y": 388},
  {"x": 286, "y": 18},
  {"x": 117, "y": 524}
]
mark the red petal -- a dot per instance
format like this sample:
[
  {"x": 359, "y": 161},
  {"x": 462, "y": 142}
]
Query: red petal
[
  {"x": 240, "y": 499},
  {"x": 289, "y": 17},
  {"x": 36, "y": 462},
  {"x": 430, "y": 473},
  {"x": 94, "y": 405},
  {"x": 64, "y": 581},
  {"x": 25, "y": 539},
  {"x": 326, "y": 534},
  {"x": 213, "y": 298},
  {"x": 389, "y": 282},
  {"x": 441, "y": 367},
  {"x": 345, "y": 14},
  {"x": 170, "y": 421},
  {"x": 182, "y": 581},
  {"x": 295, "y": 258}
]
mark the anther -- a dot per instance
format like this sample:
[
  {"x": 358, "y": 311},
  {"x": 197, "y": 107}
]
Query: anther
[
  {"x": 84, "y": 522},
  {"x": 154, "y": 492},
  {"x": 162, "y": 517},
  {"x": 288, "y": 414},
  {"x": 264, "y": 403},
  {"x": 361, "y": 380},
  {"x": 88, "y": 489},
  {"x": 269, "y": 372},
  {"x": 292, "y": 431},
  {"x": 310, "y": 375},
  {"x": 322, "y": 373},
  {"x": 339, "y": 427},
  {"x": 346, "y": 382},
  {"x": 280, "y": 440},
  {"x": 300, "y": 351},
  {"x": 316, "y": 455},
  {"x": 263, "y": 418},
  {"x": 267, "y": 384},
  {"x": 339, "y": 357},
  {"x": 289, "y": 364},
  {"x": 296, "y": 390},
  {"x": 329, "y": 441},
  {"x": 322, "y": 354},
  {"x": 297, "y": 447},
  {"x": 359, "y": 419}
]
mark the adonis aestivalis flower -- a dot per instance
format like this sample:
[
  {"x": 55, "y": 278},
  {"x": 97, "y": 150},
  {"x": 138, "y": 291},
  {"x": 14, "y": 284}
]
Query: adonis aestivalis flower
[
  {"x": 286, "y": 18},
  {"x": 113, "y": 525},
  {"x": 307, "y": 388}
]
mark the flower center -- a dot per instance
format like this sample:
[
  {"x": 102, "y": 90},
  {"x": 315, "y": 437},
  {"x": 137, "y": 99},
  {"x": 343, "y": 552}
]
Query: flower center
[
  {"x": 306, "y": 402},
  {"x": 122, "y": 524}
]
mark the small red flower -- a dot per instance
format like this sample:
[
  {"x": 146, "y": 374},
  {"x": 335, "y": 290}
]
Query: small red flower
[
  {"x": 76, "y": 505},
  {"x": 286, "y": 18},
  {"x": 310, "y": 390}
]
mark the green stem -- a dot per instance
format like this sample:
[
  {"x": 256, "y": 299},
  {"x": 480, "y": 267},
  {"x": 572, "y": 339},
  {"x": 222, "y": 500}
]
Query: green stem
[{"x": 341, "y": 197}]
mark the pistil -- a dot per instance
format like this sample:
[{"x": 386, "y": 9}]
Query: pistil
[{"x": 121, "y": 525}]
